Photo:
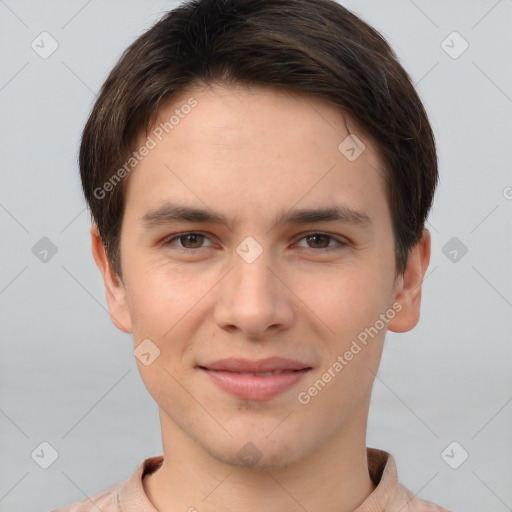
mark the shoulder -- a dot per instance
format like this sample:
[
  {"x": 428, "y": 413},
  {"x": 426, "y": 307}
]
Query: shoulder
[
  {"x": 390, "y": 495},
  {"x": 106, "y": 501},
  {"x": 127, "y": 494},
  {"x": 409, "y": 502}
]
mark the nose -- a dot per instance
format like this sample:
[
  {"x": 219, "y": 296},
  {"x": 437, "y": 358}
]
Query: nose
[{"x": 253, "y": 299}]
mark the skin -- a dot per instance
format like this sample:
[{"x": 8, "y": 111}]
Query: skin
[{"x": 252, "y": 153}]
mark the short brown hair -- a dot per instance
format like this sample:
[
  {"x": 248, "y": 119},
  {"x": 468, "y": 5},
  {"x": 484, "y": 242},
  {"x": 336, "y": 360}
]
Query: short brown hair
[{"x": 307, "y": 46}]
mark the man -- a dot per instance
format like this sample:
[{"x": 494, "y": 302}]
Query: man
[{"x": 259, "y": 173}]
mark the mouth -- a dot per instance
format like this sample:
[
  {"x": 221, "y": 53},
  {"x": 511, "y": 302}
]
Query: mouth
[{"x": 255, "y": 380}]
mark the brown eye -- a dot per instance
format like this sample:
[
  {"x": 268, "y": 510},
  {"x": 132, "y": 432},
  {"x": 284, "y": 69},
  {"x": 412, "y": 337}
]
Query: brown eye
[
  {"x": 323, "y": 242},
  {"x": 186, "y": 241},
  {"x": 319, "y": 239},
  {"x": 194, "y": 239}
]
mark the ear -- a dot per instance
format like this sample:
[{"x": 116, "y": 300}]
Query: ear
[
  {"x": 408, "y": 286},
  {"x": 114, "y": 287}
]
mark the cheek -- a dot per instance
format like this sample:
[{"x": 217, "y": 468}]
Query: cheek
[
  {"x": 348, "y": 299},
  {"x": 161, "y": 299},
  {"x": 165, "y": 309}
]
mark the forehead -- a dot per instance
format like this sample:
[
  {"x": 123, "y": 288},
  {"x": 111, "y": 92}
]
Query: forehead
[
  {"x": 237, "y": 112},
  {"x": 253, "y": 147}
]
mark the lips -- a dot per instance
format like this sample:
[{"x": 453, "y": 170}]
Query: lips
[
  {"x": 271, "y": 364},
  {"x": 255, "y": 380}
]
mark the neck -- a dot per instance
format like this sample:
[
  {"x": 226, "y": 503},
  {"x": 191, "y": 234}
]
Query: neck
[{"x": 333, "y": 478}]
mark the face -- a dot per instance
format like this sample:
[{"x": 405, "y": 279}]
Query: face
[{"x": 284, "y": 264}]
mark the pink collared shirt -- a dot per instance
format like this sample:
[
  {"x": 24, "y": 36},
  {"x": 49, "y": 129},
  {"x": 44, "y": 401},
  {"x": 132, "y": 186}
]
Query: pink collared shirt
[{"x": 388, "y": 496}]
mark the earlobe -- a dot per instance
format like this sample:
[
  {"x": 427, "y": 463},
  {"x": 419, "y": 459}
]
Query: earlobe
[
  {"x": 408, "y": 286},
  {"x": 114, "y": 288}
]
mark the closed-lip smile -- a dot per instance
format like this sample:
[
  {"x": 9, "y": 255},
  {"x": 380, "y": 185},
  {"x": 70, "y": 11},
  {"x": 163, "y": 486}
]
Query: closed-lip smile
[{"x": 255, "y": 380}]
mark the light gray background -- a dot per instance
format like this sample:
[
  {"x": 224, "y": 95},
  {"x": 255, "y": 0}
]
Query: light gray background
[{"x": 69, "y": 377}]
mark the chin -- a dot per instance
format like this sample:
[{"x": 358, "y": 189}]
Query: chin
[{"x": 257, "y": 454}]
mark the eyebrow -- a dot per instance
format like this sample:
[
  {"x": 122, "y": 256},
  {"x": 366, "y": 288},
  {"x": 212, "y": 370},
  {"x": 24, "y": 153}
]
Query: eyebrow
[{"x": 172, "y": 212}]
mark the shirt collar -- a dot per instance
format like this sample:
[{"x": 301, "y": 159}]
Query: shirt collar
[{"x": 381, "y": 467}]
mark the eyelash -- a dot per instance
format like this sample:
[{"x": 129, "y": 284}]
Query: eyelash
[{"x": 342, "y": 243}]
